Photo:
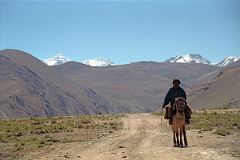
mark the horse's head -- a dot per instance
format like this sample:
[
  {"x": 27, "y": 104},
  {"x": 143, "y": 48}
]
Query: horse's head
[{"x": 180, "y": 103}]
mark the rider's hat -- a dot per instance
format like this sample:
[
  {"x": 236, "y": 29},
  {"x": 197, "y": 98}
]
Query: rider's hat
[{"x": 176, "y": 81}]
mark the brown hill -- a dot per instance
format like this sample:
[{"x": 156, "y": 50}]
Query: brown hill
[
  {"x": 136, "y": 87},
  {"x": 30, "y": 88},
  {"x": 223, "y": 91}
]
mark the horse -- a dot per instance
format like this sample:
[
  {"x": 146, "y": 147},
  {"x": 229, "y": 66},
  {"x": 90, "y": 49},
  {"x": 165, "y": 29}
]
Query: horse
[{"x": 178, "y": 127}]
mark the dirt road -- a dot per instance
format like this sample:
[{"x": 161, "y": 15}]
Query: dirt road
[{"x": 144, "y": 137}]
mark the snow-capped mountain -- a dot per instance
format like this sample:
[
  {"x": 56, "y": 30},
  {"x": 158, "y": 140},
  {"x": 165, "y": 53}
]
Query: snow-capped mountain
[
  {"x": 56, "y": 60},
  {"x": 228, "y": 61},
  {"x": 99, "y": 62},
  {"x": 189, "y": 58}
]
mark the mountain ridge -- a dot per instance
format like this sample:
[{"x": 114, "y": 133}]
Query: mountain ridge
[
  {"x": 188, "y": 58},
  {"x": 228, "y": 61}
]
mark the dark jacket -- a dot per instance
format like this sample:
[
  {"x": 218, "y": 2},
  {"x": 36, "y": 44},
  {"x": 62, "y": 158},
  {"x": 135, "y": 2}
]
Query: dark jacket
[{"x": 172, "y": 94}]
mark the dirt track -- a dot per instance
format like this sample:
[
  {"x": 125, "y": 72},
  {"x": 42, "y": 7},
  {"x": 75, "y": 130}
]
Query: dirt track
[{"x": 144, "y": 137}]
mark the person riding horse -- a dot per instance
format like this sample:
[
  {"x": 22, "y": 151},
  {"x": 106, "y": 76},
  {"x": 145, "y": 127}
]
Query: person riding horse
[{"x": 175, "y": 92}]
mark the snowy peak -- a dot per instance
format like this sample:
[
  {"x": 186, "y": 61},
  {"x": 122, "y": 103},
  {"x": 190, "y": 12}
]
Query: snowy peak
[
  {"x": 99, "y": 62},
  {"x": 56, "y": 60},
  {"x": 189, "y": 58},
  {"x": 60, "y": 59},
  {"x": 227, "y": 61}
]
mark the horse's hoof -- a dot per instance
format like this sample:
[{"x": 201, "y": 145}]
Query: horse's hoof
[
  {"x": 177, "y": 145},
  {"x": 181, "y": 146},
  {"x": 186, "y": 145}
]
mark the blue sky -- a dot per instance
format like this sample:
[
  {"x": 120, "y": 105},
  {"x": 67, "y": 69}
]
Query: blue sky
[{"x": 123, "y": 31}]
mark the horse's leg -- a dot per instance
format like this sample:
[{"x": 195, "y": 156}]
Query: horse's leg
[
  {"x": 174, "y": 137},
  {"x": 181, "y": 142},
  {"x": 177, "y": 135},
  {"x": 185, "y": 136}
]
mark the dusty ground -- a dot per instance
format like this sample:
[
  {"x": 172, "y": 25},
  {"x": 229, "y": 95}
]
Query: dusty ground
[{"x": 145, "y": 137}]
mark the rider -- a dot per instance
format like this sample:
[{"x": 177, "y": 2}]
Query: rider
[{"x": 174, "y": 92}]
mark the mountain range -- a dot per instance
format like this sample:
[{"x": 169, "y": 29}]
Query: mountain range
[
  {"x": 189, "y": 58},
  {"x": 30, "y": 88}
]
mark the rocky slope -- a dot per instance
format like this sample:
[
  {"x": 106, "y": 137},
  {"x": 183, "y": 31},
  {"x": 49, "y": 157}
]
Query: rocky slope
[
  {"x": 30, "y": 88},
  {"x": 222, "y": 91}
]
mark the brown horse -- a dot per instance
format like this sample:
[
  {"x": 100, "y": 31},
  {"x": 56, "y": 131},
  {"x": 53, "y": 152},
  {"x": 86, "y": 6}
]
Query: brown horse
[{"x": 178, "y": 127}]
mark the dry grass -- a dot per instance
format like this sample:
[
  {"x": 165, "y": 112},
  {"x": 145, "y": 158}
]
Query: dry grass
[
  {"x": 222, "y": 122},
  {"x": 21, "y": 136},
  {"x": 159, "y": 113}
]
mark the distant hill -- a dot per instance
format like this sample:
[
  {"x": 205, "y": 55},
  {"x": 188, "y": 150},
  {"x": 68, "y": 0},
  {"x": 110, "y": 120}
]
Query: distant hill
[
  {"x": 234, "y": 65},
  {"x": 228, "y": 61},
  {"x": 30, "y": 88},
  {"x": 136, "y": 87},
  {"x": 223, "y": 91}
]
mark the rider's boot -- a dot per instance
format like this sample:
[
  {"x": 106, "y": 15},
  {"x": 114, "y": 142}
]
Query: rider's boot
[
  {"x": 188, "y": 113},
  {"x": 166, "y": 114},
  {"x": 187, "y": 121}
]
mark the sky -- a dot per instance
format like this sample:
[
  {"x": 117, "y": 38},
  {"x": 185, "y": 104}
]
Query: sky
[{"x": 123, "y": 31}]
